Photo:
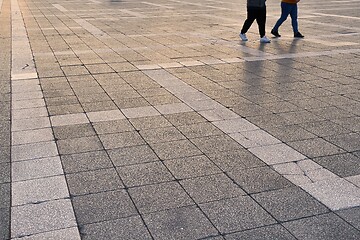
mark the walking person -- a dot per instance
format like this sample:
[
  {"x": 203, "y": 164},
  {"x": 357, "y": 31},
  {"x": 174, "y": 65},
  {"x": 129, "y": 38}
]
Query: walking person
[
  {"x": 288, "y": 7},
  {"x": 256, "y": 10}
]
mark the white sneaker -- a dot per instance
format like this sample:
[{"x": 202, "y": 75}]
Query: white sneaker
[
  {"x": 243, "y": 36},
  {"x": 264, "y": 39}
]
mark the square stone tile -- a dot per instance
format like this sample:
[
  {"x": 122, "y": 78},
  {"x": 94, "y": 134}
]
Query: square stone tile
[
  {"x": 273, "y": 232},
  {"x": 37, "y": 168},
  {"x": 36, "y": 218},
  {"x": 150, "y": 122},
  {"x": 103, "y": 206},
  {"x": 105, "y": 115},
  {"x": 327, "y": 226},
  {"x": 316, "y": 147},
  {"x": 351, "y": 215},
  {"x": 191, "y": 223},
  {"x": 191, "y": 167},
  {"x": 173, "y": 108},
  {"x": 127, "y": 228},
  {"x": 115, "y": 126},
  {"x": 211, "y": 188},
  {"x": 78, "y": 145},
  {"x": 202, "y": 129},
  {"x": 188, "y": 118},
  {"x": 85, "y": 161},
  {"x": 39, "y": 190},
  {"x": 73, "y": 131},
  {"x": 217, "y": 143},
  {"x": 175, "y": 149},
  {"x": 289, "y": 204},
  {"x": 132, "y": 155},
  {"x": 163, "y": 196},
  {"x": 165, "y": 134},
  {"x": 278, "y": 153},
  {"x": 34, "y": 151},
  {"x": 68, "y": 119},
  {"x": 140, "y": 112},
  {"x": 124, "y": 139},
  {"x": 259, "y": 179},
  {"x": 236, "y": 214},
  {"x": 143, "y": 174}
]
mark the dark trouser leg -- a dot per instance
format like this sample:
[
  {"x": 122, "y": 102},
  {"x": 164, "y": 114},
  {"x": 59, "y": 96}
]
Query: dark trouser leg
[
  {"x": 261, "y": 21},
  {"x": 251, "y": 16}
]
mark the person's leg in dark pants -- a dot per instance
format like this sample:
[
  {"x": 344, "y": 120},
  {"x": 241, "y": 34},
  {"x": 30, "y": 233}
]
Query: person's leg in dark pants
[
  {"x": 261, "y": 21},
  {"x": 251, "y": 16}
]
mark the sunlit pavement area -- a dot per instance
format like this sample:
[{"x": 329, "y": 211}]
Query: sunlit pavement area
[{"x": 151, "y": 119}]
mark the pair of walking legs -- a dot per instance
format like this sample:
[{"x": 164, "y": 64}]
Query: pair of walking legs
[{"x": 258, "y": 14}]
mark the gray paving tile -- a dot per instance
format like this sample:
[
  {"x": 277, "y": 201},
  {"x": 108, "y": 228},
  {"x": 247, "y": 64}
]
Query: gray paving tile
[
  {"x": 316, "y": 147},
  {"x": 34, "y": 151},
  {"x": 188, "y": 167},
  {"x": 127, "y": 228},
  {"x": 202, "y": 129},
  {"x": 105, "y": 115},
  {"x": 4, "y": 223},
  {"x": 102, "y": 207},
  {"x": 118, "y": 140},
  {"x": 173, "y": 108},
  {"x": 143, "y": 174},
  {"x": 140, "y": 112},
  {"x": 5, "y": 169},
  {"x": 158, "y": 135},
  {"x": 183, "y": 119},
  {"x": 290, "y": 133},
  {"x": 32, "y": 136},
  {"x": 73, "y": 131},
  {"x": 150, "y": 122},
  {"x": 351, "y": 216},
  {"x": 344, "y": 165},
  {"x": 5, "y": 190},
  {"x": 132, "y": 155},
  {"x": 36, "y": 218},
  {"x": 349, "y": 142},
  {"x": 62, "y": 234},
  {"x": 114, "y": 126},
  {"x": 93, "y": 181},
  {"x": 236, "y": 214},
  {"x": 275, "y": 232},
  {"x": 163, "y": 196},
  {"x": 78, "y": 145},
  {"x": 327, "y": 226},
  {"x": 179, "y": 223},
  {"x": 31, "y": 123},
  {"x": 175, "y": 149},
  {"x": 214, "y": 144},
  {"x": 68, "y": 119}
]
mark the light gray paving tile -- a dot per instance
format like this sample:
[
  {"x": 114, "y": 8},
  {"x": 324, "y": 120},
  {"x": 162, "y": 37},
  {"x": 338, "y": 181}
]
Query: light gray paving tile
[
  {"x": 193, "y": 96},
  {"x": 37, "y": 168},
  {"x": 254, "y": 138},
  {"x": 173, "y": 108},
  {"x": 148, "y": 67},
  {"x": 39, "y": 190},
  {"x": 232, "y": 60},
  {"x": 170, "y": 65},
  {"x": 218, "y": 114},
  {"x": 34, "y": 151},
  {"x": 71, "y": 233},
  {"x": 33, "y": 103},
  {"x": 181, "y": 88},
  {"x": 23, "y": 88},
  {"x": 29, "y": 113},
  {"x": 27, "y": 95},
  {"x": 336, "y": 194},
  {"x": 212, "y": 61},
  {"x": 36, "y": 218},
  {"x": 191, "y": 63},
  {"x": 354, "y": 180},
  {"x": 278, "y": 153},
  {"x": 31, "y": 123},
  {"x": 32, "y": 136},
  {"x": 204, "y": 105},
  {"x": 68, "y": 119},
  {"x": 105, "y": 115},
  {"x": 140, "y": 112},
  {"x": 235, "y": 125}
]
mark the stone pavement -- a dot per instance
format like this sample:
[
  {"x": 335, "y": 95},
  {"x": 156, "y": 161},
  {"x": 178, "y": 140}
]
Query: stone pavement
[{"x": 150, "y": 119}]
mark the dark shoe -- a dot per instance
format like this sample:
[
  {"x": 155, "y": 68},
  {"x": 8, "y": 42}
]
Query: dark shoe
[
  {"x": 275, "y": 33},
  {"x": 298, "y": 35}
]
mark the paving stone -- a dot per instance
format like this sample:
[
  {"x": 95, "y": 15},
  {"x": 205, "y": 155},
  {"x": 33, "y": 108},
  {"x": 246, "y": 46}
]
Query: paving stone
[
  {"x": 140, "y": 112},
  {"x": 235, "y": 125},
  {"x": 143, "y": 174},
  {"x": 127, "y": 228},
  {"x": 62, "y": 234},
  {"x": 158, "y": 135},
  {"x": 254, "y": 138},
  {"x": 175, "y": 149},
  {"x": 5, "y": 190},
  {"x": 78, "y": 145},
  {"x": 103, "y": 206},
  {"x": 202, "y": 129},
  {"x": 150, "y": 122},
  {"x": 327, "y": 226},
  {"x": 344, "y": 165},
  {"x": 316, "y": 147},
  {"x": 32, "y": 136},
  {"x": 173, "y": 108},
  {"x": 290, "y": 133},
  {"x": 65, "y": 109},
  {"x": 105, "y": 115},
  {"x": 73, "y": 131},
  {"x": 124, "y": 139},
  {"x": 324, "y": 128},
  {"x": 163, "y": 196},
  {"x": 29, "y": 113},
  {"x": 99, "y": 106},
  {"x": 4, "y": 223},
  {"x": 31, "y": 123},
  {"x": 114, "y": 126},
  {"x": 349, "y": 142},
  {"x": 5, "y": 154},
  {"x": 183, "y": 119},
  {"x": 68, "y": 119},
  {"x": 179, "y": 223},
  {"x": 36, "y": 218},
  {"x": 132, "y": 155},
  {"x": 93, "y": 181},
  {"x": 33, "y": 103},
  {"x": 351, "y": 216},
  {"x": 37, "y": 168},
  {"x": 34, "y": 151},
  {"x": 275, "y": 232},
  {"x": 236, "y": 214},
  {"x": 214, "y": 144},
  {"x": 5, "y": 169}
]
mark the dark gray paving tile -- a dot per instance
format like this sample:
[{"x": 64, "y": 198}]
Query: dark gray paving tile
[
  {"x": 349, "y": 142},
  {"x": 124, "y": 228},
  {"x": 289, "y": 204},
  {"x": 324, "y": 128},
  {"x": 326, "y": 227},
  {"x": 119, "y": 140},
  {"x": 202, "y": 129},
  {"x": 73, "y": 131},
  {"x": 99, "y": 106},
  {"x": 5, "y": 193},
  {"x": 235, "y": 160},
  {"x": 65, "y": 109},
  {"x": 351, "y": 215},
  {"x": 85, "y": 161},
  {"x": 150, "y": 122},
  {"x": 214, "y": 144},
  {"x": 115, "y": 126},
  {"x": 181, "y": 119},
  {"x": 175, "y": 149},
  {"x": 236, "y": 214},
  {"x": 211, "y": 188},
  {"x": 103, "y": 206},
  {"x": 351, "y": 123},
  {"x": 254, "y": 180},
  {"x": 315, "y": 147},
  {"x": 300, "y": 117},
  {"x": 165, "y": 134},
  {"x": 290, "y": 133},
  {"x": 344, "y": 165},
  {"x": 5, "y": 139},
  {"x": 163, "y": 196},
  {"x": 179, "y": 223},
  {"x": 142, "y": 174},
  {"x": 78, "y": 145},
  {"x": 5, "y": 223},
  {"x": 56, "y": 101},
  {"x": 274, "y": 232},
  {"x": 5, "y": 169},
  {"x": 189, "y": 167},
  {"x": 132, "y": 155},
  {"x": 93, "y": 181}
]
